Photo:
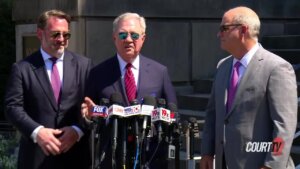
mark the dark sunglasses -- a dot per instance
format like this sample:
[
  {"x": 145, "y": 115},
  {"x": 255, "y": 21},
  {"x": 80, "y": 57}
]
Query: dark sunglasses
[
  {"x": 66, "y": 35},
  {"x": 224, "y": 28},
  {"x": 134, "y": 36}
]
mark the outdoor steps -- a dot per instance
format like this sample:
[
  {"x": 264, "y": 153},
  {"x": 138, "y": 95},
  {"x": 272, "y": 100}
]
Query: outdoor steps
[
  {"x": 192, "y": 102},
  {"x": 281, "y": 42}
]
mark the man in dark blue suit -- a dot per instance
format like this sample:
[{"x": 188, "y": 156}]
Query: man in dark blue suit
[
  {"x": 149, "y": 77},
  {"x": 43, "y": 100}
]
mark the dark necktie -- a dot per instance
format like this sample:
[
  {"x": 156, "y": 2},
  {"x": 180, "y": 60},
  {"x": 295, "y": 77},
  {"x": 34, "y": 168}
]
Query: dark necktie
[
  {"x": 233, "y": 85},
  {"x": 130, "y": 83},
  {"x": 55, "y": 80}
]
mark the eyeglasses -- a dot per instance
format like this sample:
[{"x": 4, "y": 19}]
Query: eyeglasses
[
  {"x": 66, "y": 35},
  {"x": 224, "y": 28},
  {"x": 134, "y": 36}
]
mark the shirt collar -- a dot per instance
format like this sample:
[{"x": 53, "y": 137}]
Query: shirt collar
[
  {"x": 46, "y": 56},
  {"x": 248, "y": 56},
  {"x": 123, "y": 63}
]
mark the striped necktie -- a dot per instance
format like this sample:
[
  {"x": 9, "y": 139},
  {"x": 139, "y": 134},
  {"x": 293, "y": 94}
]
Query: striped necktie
[{"x": 130, "y": 83}]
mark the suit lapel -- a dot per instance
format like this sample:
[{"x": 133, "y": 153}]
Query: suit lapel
[
  {"x": 119, "y": 85},
  {"x": 225, "y": 84},
  {"x": 69, "y": 73},
  {"x": 143, "y": 73},
  {"x": 249, "y": 75},
  {"x": 38, "y": 66}
]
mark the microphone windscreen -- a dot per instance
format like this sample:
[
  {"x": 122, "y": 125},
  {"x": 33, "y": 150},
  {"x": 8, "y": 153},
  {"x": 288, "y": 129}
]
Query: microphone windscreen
[
  {"x": 185, "y": 126},
  {"x": 104, "y": 101},
  {"x": 116, "y": 98},
  {"x": 149, "y": 100},
  {"x": 134, "y": 102},
  {"x": 161, "y": 102},
  {"x": 192, "y": 120},
  {"x": 172, "y": 107}
]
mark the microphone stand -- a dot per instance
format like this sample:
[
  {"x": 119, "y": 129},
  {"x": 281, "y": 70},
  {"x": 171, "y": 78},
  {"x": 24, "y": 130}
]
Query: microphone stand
[
  {"x": 94, "y": 127},
  {"x": 144, "y": 141},
  {"x": 114, "y": 141},
  {"x": 137, "y": 133},
  {"x": 124, "y": 143},
  {"x": 190, "y": 137},
  {"x": 177, "y": 134}
]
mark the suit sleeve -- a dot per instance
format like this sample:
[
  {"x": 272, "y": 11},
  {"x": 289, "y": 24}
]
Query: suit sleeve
[
  {"x": 14, "y": 103},
  {"x": 169, "y": 91},
  {"x": 282, "y": 97},
  {"x": 208, "y": 136}
]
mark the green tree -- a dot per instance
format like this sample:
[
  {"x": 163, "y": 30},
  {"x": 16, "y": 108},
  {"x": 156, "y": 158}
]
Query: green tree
[{"x": 7, "y": 47}]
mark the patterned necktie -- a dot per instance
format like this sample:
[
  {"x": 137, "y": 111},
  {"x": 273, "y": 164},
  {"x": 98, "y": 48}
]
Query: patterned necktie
[
  {"x": 130, "y": 83},
  {"x": 55, "y": 80},
  {"x": 233, "y": 85}
]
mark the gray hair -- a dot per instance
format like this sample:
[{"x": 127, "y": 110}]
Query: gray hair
[
  {"x": 251, "y": 20},
  {"x": 129, "y": 15}
]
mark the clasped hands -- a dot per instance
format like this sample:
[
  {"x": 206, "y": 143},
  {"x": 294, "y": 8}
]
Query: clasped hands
[{"x": 56, "y": 141}]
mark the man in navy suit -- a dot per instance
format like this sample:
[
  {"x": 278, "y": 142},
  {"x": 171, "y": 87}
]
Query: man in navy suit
[
  {"x": 150, "y": 77},
  {"x": 43, "y": 100}
]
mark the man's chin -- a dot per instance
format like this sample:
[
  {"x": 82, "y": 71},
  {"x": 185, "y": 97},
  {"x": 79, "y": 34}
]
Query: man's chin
[{"x": 59, "y": 52}]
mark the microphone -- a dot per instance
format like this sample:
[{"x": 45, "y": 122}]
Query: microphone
[
  {"x": 149, "y": 103},
  {"x": 100, "y": 111},
  {"x": 99, "y": 114},
  {"x": 174, "y": 116},
  {"x": 161, "y": 113},
  {"x": 173, "y": 134},
  {"x": 114, "y": 110},
  {"x": 136, "y": 111},
  {"x": 192, "y": 121},
  {"x": 132, "y": 110}
]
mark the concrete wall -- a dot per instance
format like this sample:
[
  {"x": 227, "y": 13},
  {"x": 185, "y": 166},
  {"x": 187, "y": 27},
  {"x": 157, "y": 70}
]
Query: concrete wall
[{"x": 180, "y": 34}]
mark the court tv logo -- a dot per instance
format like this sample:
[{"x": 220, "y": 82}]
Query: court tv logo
[{"x": 276, "y": 146}]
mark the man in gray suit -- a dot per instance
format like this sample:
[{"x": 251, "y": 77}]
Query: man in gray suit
[
  {"x": 150, "y": 78},
  {"x": 250, "y": 126}
]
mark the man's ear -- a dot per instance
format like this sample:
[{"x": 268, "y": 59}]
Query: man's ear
[
  {"x": 39, "y": 33},
  {"x": 144, "y": 37},
  {"x": 244, "y": 29}
]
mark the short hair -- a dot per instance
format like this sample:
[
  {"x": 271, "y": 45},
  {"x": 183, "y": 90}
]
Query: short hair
[
  {"x": 250, "y": 19},
  {"x": 42, "y": 19},
  {"x": 129, "y": 15}
]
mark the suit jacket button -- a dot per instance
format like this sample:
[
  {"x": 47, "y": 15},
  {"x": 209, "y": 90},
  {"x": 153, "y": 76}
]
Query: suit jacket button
[
  {"x": 226, "y": 121},
  {"x": 222, "y": 142}
]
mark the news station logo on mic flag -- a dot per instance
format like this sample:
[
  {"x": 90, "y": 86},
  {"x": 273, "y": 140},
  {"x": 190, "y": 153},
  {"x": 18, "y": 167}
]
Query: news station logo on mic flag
[
  {"x": 147, "y": 110},
  {"x": 132, "y": 110},
  {"x": 116, "y": 110},
  {"x": 100, "y": 111},
  {"x": 161, "y": 114}
]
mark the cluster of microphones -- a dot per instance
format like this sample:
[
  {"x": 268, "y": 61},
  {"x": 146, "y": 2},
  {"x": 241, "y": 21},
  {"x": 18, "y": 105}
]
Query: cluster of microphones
[
  {"x": 147, "y": 113},
  {"x": 149, "y": 106}
]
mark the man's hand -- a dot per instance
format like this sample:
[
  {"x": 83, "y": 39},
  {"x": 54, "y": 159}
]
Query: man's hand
[
  {"x": 46, "y": 139},
  {"x": 68, "y": 138},
  {"x": 265, "y": 167},
  {"x": 206, "y": 162},
  {"x": 86, "y": 108}
]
